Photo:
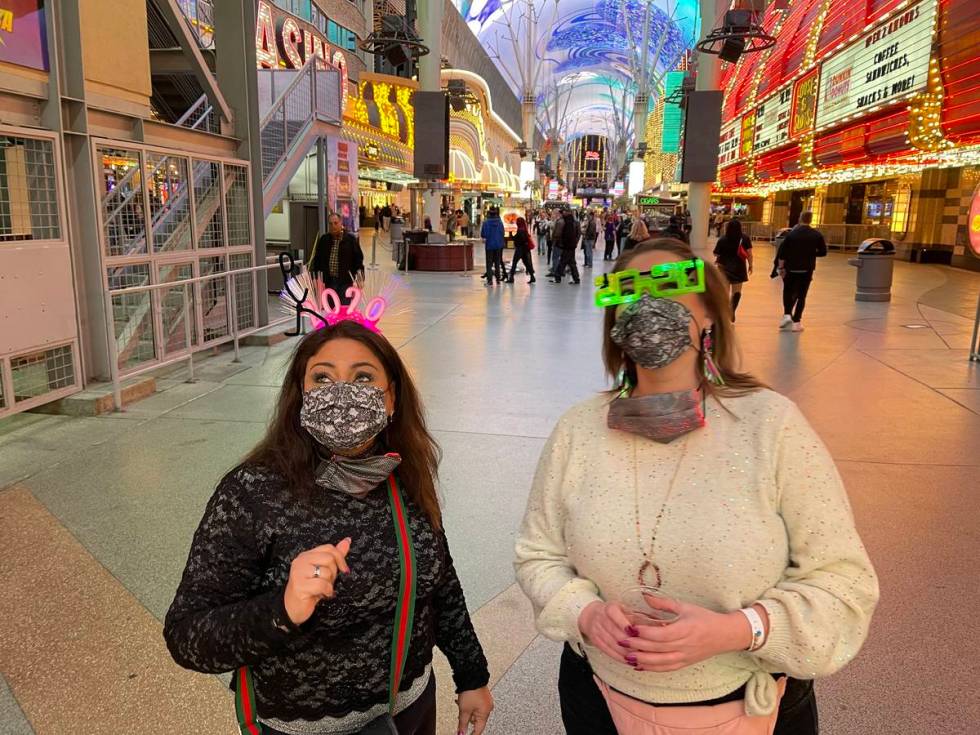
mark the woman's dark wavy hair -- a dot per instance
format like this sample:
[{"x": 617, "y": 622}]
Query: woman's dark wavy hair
[
  {"x": 733, "y": 231},
  {"x": 290, "y": 451}
]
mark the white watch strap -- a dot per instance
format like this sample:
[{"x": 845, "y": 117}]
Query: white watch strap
[{"x": 758, "y": 627}]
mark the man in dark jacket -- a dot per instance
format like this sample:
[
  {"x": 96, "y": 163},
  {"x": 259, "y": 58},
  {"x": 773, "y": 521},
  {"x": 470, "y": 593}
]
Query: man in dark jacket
[
  {"x": 337, "y": 258},
  {"x": 492, "y": 232},
  {"x": 796, "y": 260},
  {"x": 570, "y": 234},
  {"x": 675, "y": 230}
]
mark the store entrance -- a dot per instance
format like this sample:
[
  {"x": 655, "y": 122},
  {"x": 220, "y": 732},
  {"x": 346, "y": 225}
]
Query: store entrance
[
  {"x": 800, "y": 201},
  {"x": 855, "y": 205}
]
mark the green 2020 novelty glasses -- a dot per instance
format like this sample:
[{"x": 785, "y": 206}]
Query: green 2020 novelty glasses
[{"x": 661, "y": 282}]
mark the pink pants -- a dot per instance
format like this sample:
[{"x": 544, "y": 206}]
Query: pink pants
[{"x": 633, "y": 717}]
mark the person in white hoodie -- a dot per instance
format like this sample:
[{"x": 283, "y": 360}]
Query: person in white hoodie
[{"x": 693, "y": 478}]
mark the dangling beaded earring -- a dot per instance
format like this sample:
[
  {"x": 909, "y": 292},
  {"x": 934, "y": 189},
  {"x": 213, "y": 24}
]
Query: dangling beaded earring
[{"x": 711, "y": 372}]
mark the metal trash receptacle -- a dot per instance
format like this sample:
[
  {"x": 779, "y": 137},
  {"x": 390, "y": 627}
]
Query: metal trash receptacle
[{"x": 875, "y": 262}]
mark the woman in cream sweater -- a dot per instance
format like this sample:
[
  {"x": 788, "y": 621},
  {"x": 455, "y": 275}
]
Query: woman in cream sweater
[{"x": 693, "y": 478}]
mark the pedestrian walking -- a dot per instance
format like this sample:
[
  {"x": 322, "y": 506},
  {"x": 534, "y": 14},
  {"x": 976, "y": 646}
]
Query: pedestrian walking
[
  {"x": 386, "y": 217},
  {"x": 337, "y": 258},
  {"x": 523, "y": 245},
  {"x": 554, "y": 256},
  {"x": 688, "y": 536},
  {"x": 638, "y": 233},
  {"x": 492, "y": 233},
  {"x": 451, "y": 224},
  {"x": 796, "y": 260},
  {"x": 733, "y": 255},
  {"x": 622, "y": 233},
  {"x": 675, "y": 230},
  {"x": 590, "y": 234},
  {"x": 719, "y": 222},
  {"x": 609, "y": 232},
  {"x": 570, "y": 234}
]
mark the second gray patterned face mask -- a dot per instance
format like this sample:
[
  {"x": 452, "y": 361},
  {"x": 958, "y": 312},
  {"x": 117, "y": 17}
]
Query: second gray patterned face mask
[
  {"x": 344, "y": 416},
  {"x": 653, "y": 332}
]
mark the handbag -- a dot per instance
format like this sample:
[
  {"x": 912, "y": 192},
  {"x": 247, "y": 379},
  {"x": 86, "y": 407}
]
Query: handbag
[
  {"x": 635, "y": 717},
  {"x": 401, "y": 632},
  {"x": 742, "y": 252}
]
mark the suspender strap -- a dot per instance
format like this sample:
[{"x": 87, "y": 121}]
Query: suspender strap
[{"x": 401, "y": 634}]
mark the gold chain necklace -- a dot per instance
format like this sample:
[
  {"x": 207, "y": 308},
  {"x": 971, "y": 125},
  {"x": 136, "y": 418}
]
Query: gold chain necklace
[{"x": 648, "y": 564}]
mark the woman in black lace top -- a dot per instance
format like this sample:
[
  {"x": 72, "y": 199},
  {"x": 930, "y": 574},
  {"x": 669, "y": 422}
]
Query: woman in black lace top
[{"x": 295, "y": 574}]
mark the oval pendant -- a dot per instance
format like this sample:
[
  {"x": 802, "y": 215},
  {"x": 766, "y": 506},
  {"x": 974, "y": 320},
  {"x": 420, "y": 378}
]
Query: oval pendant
[{"x": 646, "y": 568}]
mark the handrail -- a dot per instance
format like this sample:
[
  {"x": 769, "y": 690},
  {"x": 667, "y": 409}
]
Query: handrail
[
  {"x": 301, "y": 73},
  {"x": 200, "y": 102},
  {"x": 188, "y": 354}
]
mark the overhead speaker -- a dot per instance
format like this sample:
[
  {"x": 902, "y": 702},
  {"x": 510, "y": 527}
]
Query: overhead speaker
[
  {"x": 432, "y": 148},
  {"x": 732, "y": 49},
  {"x": 396, "y": 55},
  {"x": 702, "y": 133}
]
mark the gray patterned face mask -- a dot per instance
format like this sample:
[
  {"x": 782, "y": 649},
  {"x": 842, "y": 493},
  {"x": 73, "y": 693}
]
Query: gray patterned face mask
[
  {"x": 344, "y": 415},
  {"x": 653, "y": 332},
  {"x": 358, "y": 476}
]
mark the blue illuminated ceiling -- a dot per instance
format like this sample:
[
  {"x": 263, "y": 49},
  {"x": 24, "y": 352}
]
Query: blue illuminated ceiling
[{"x": 585, "y": 43}]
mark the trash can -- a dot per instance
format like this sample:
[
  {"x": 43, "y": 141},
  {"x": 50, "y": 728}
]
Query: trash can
[{"x": 875, "y": 261}]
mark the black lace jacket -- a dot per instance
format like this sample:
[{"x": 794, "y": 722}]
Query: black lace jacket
[{"x": 229, "y": 610}]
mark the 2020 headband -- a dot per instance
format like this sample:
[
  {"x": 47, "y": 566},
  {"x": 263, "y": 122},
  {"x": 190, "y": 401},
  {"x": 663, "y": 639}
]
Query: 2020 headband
[{"x": 660, "y": 282}]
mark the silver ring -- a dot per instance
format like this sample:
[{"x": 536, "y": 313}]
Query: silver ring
[{"x": 316, "y": 571}]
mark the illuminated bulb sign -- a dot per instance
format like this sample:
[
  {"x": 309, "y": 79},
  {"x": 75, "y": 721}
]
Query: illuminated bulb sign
[
  {"x": 285, "y": 42},
  {"x": 592, "y": 155},
  {"x": 886, "y": 64}
]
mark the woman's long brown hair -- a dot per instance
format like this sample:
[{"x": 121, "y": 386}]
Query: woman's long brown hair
[
  {"x": 289, "y": 450},
  {"x": 716, "y": 301}
]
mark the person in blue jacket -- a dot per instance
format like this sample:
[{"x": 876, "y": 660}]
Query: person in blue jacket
[{"x": 492, "y": 233}]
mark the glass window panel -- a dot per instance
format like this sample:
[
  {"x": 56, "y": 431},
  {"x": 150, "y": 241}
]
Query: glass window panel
[
  {"x": 244, "y": 290},
  {"x": 170, "y": 206},
  {"x": 132, "y": 315},
  {"x": 214, "y": 299},
  {"x": 28, "y": 190},
  {"x": 177, "y": 308},
  {"x": 207, "y": 203},
  {"x": 122, "y": 202},
  {"x": 42, "y": 372},
  {"x": 237, "y": 205}
]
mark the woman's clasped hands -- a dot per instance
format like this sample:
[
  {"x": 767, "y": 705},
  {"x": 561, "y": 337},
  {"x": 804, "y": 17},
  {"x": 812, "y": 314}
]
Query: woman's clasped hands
[{"x": 696, "y": 635}]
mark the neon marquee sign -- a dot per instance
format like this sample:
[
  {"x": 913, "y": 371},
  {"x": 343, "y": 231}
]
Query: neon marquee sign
[
  {"x": 284, "y": 42},
  {"x": 973, "y": 225}
]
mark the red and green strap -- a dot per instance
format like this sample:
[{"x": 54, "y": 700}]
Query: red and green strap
[
  {"x": 245, "y": 702},
  {"x": 401, "y": 634}
]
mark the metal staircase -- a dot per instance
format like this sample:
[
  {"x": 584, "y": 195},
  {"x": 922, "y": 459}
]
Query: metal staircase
[{"x": 309, "y": 107}]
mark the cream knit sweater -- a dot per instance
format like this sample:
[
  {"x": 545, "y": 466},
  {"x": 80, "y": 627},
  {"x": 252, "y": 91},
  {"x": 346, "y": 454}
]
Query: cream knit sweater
[{"x": 758, "y": 513}]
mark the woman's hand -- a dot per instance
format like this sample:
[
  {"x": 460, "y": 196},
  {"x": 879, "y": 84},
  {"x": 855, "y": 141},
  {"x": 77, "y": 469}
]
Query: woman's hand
[
  {"x": 475, "y": 707},
  {"x": 696, "y": 635},
  {"x": 605, "y": 626},
  {"x": 304, "y": 590}
]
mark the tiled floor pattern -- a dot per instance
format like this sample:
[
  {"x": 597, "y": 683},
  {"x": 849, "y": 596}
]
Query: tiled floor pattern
[{"x": 96, "y": 514}]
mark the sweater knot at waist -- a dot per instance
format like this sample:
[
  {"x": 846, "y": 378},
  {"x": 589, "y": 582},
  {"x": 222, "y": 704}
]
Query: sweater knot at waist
[{"x": 761, "y": 695}]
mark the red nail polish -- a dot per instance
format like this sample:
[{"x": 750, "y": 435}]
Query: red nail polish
[
  {"x": 624, "y": 644},
  {"x": 631, "y": 631},
  {"x": 631, "y": 659}
]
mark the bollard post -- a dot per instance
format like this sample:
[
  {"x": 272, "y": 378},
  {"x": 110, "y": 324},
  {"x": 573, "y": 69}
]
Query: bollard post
[{"x": 374, "y": 252}]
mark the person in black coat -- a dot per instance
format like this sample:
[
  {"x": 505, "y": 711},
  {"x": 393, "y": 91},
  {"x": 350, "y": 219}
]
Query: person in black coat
[
  {"x": 337, "y": 258},
  {"x": 522, "y": 251},
  {"x": 733, "y": 255},
  {"x": 796, "y": 261}
]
